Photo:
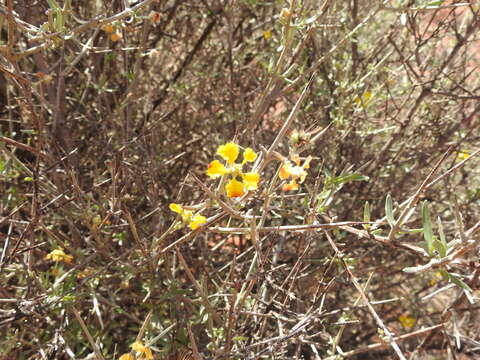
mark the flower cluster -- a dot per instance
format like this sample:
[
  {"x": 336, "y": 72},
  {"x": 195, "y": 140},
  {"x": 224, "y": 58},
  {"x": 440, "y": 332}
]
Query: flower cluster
[
  {"x": 193, "y": 220},
  {"x": 294, "y": 171},
  {"x": 59, "y": 255},
  {"x": 238, "y": 181},
  {"x": 115, "y": 35},
  {"x": 141, "y": 351}
]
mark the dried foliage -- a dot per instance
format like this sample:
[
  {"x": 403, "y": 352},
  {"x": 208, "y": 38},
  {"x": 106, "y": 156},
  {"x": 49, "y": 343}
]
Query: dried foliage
[{"x": 111, "y": 113}]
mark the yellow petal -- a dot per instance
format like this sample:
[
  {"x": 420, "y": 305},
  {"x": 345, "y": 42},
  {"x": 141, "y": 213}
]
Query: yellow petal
[
  {"x": 58, "y": 255},
  {"x": 108, "y": 28},
  {"x": 292, "y": 185},
  {"x": 229, "y": 152},
  {"x": 148, "y": 354},
  {"x": 306, "y": 164},
  {"x": 267, "y": 34},
  {"x": 138, "y": 347},
  {"x": 116, "y": 36},
  {"x": 197, "y": 220},
  {"x": 126, "y": 357},
  {"x": 250, "y": 180},
  {"x": 285, "y": 171},
  {"x": 234, "y": 188},
  {"x": 186, "y": 215},
  {"x": 249, "y": 155},
  {"x": 295, "y": 158},
  {"x": 216, "y": 169},
  {"x": 176, "y": 208}
]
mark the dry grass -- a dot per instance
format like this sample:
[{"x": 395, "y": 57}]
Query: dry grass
[{"x": 100, "y": 136}]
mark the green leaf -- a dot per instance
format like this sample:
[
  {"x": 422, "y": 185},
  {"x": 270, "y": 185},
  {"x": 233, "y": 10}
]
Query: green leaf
[
  {"x": 440, "y": 247},
  {"x": 389, "y": 210},
  {"x": 434, "y": 3},
  {"x": 440, "y": 232},
  {"x": 54, "y": 5},
  {"x": 457, "y": 281},
  {"x": 366, "y": 215},
  {"x": 366, "y": 212},
  {"x": 350, "y": 177},
  {"x": 427, "y": 228}
]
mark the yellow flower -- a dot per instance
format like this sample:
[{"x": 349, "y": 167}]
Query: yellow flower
[
  {"x": 267, "y": 34},
  {"x": 249, "y": 155},
  {"x": 116, "y": 36},
  {"x": 176, "y": 208},
  {"x": 285, "y": 171},
  {"x": 186, "y": 214},
  {"x": 462, "y": 155},
  {"x": 127, "y": 356},
  {"x": 292, "y": 185},
  {"x": 406, "y": 321},
  {"x": 216, "y": 169},
  {"x": 234, "y": 188},
  {"x": 229, "y": 152},
  {"x": 143, "y": 350},
  {"x": 294, "y": 172},
  {"x": 108, "y": 28},
  {"x": 58, "y": 255},
  {"x": 197, "y": 220},
  {"x": 250, "y": 180},
  {"x": 364, "y": 100}
]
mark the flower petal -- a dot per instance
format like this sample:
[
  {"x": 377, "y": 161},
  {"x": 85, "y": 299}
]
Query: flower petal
[
  {"x": 234, "y": 188},
  {"x": 292, "y": 185},
  {"x": 295, "y": 158},
  {"x": 249, "y": 155},
  {"x": 186, "y": 215},
  {"x": 216, "y": 169},
  {"x": 138, "y": 346},
  {"x": 250, "y": 180},
  {"x": 176, "y": 208},
  {"x": 58, "y": 255},
  {"x": 306, "y": 164},
  {"x": 127, "y": 356},
  {"x": 285, "y": 171},
  {"x": 229, "y": 152},
  {"x": 197, "y": 220}
]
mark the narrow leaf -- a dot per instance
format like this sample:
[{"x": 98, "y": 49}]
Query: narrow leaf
[
  {"x": 366, "y": 212},
  {"x": 389, "y": 210},
  {"x": 441, "y": 232},
  {"x": 440, "y": 247},
  {"x": 427, "y": 228},
  {"x": 457, "y": 281},
  {"x": 366, "y": 215}
]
